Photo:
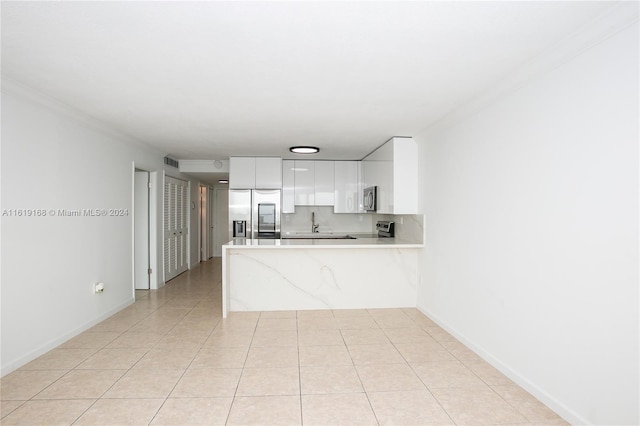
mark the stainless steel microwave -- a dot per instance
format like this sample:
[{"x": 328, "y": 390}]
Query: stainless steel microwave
[{"x": 370, "y": 199}]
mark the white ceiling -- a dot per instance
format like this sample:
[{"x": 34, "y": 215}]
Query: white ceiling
[{"x": 205, "y": 80}]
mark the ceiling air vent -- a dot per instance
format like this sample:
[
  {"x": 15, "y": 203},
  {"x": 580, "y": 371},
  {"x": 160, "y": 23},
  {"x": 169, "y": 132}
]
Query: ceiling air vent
[{"x": 171, "y": 162}]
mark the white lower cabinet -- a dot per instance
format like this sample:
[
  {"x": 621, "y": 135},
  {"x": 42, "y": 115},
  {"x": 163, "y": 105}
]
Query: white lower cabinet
[{"x": 347, "y": 187}]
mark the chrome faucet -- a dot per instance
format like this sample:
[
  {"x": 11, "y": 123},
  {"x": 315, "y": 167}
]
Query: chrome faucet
[{"x": 314, "y": 225}]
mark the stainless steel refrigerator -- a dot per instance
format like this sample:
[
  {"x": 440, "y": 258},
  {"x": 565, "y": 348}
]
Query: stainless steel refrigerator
[{"x": 254, "y": 213}]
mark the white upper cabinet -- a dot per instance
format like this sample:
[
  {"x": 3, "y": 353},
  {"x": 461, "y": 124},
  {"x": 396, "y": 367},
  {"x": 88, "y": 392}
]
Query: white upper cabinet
[
  {"x": 324, "y": 186},
  {"x": 268, "y": 173},
  {"x": 242, "y": 172},
  {"x": 304, "y": 176},
  {"x": 393, "y": 168},
  {"x": 348, "y": 187},
  {"x": 313, "y": 183},
  {"x": 255, "y": 173},
  {"x": 288, "y": 186},
  {"x": 405, "y": 176},
  {"x": 378, "y": 171}
]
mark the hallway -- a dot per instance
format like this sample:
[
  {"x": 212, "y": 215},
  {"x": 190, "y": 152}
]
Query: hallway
[{"x": 170, "y": 359}]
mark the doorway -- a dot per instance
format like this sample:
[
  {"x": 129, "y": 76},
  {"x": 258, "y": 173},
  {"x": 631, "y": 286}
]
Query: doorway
[
  {"x": 205, "y": 224},
  {"x": 141, "y": 267},
  {"x": 211, "y": 207}
]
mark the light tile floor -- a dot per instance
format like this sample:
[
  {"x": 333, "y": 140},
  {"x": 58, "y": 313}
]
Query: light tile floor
[{"x": 170, "y": 359}]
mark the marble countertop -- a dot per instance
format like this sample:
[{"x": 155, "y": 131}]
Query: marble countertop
[{"x": 362, "y": 241}]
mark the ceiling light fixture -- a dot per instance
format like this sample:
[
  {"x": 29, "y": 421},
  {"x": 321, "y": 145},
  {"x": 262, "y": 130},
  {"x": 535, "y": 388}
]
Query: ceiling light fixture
[
  {"x": 223, "y": 181},
  {"x": 304, "y": 149}
]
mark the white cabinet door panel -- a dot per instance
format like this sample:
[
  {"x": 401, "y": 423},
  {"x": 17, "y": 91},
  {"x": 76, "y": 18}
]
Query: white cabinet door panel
[
  {"x": 405, "y": 176},
  {"x": 324, "y": 186},
  {"x": 304, "y": 175},
  {"x": 348, "y": 187},
  {"x": 242, "y": 173},
  {"x": 288, "y": 186},
  {"x": 393, "y": 168},
  {"x": 268, "y": 172}
]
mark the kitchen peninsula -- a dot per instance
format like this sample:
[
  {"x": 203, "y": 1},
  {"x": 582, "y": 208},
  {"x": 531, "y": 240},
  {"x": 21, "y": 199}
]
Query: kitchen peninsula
[
  {"x": 319, "y": 270},
  {"x": 322, "y": 273}
]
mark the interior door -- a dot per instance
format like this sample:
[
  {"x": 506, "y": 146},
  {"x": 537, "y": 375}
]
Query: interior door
[
  {"x": 210, "y": 217},
  {"x": 141, "y": 230}
]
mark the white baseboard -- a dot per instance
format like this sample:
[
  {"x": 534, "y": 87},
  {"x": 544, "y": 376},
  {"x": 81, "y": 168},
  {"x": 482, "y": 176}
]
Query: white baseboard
[
  {"x": 52, "y": 344},
  {"x": 561, "y": 409}
]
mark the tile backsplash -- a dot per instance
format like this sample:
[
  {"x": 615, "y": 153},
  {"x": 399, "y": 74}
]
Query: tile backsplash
[
  {"x": 328, "y": 221},
  {"x": 408, "y": 227}
]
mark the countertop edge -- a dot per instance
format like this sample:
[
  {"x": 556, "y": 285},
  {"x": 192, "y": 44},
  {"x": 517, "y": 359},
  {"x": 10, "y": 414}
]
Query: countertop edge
[{"x": 323, "y": 244}]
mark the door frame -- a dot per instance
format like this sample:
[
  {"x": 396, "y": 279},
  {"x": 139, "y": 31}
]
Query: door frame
[
  {"x": 154, "y": 253},
  {"x": 141, "y": 240}
]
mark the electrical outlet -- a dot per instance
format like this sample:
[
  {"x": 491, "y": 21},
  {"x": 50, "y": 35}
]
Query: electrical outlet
[{"x": 98, "y": 288}]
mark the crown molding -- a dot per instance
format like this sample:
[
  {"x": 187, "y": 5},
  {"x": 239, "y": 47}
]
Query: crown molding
[
  {"x": 617, "y": 18},
  {"x": 11, "y": 86}
]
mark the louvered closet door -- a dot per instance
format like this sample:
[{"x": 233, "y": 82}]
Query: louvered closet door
[
  {"x": 181, "y": 226},
  {"x": 176, "y": 231}
]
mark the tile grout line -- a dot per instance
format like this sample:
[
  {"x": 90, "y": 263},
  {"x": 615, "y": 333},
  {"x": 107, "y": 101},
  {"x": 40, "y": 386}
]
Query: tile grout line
[
  {"x": 235, "y": 392},
  {"x": 364, "y": 390},
  {"x": 107, "y": 390},
  {"x": 172, "y": 300},
  {"x": 130, "y": 368},
  {"x": 151, "y": 312},
  {"x": 184, "y": 371},
  {"x": 418, "y": 376},
  {"x": 119, "y": 332},
  {"x": 461, "y": 361},
  {"x": 366, "y": 394},
  {"x": 299, "y": 370}
]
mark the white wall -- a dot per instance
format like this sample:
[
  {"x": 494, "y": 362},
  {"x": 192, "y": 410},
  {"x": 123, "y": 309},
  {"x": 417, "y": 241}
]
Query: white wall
[
  {"x": 52, "y": 159},
  {"x": 532, "y": 233}
]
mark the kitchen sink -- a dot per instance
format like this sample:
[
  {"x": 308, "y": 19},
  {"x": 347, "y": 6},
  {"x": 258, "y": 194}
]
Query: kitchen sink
[{"x": 318, "y": 236}]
